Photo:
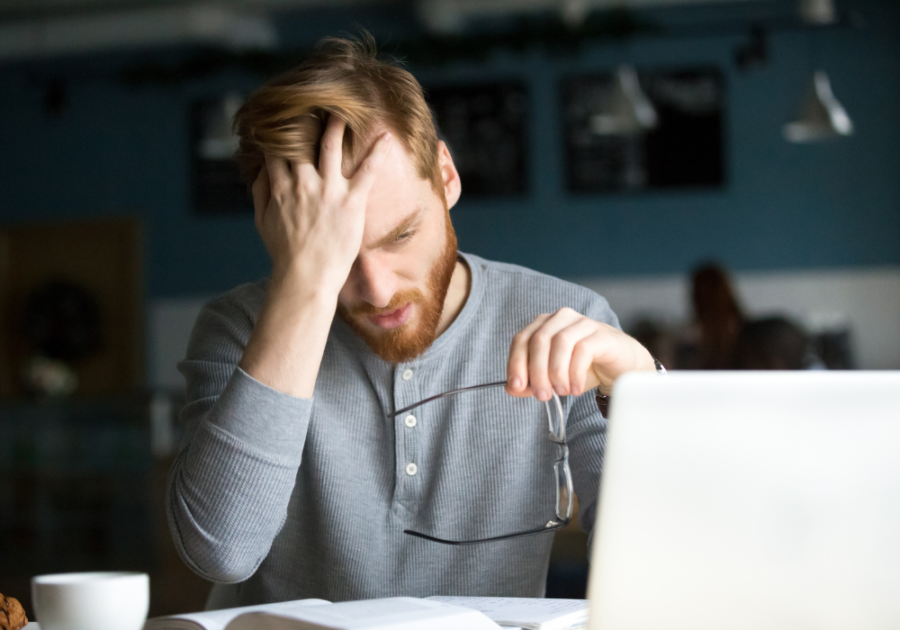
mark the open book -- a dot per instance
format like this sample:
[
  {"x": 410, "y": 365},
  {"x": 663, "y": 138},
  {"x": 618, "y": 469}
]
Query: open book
[
  {"x": 396, "y": 613},
  {"x": 526, "y": 612}
]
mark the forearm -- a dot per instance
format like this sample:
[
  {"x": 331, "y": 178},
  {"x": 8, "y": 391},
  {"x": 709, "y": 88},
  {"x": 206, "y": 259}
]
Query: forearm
[
  {"x": 229, "y": 489},
  {"x": 288, "y": 340},
  {"x": 311, "y": 220}
]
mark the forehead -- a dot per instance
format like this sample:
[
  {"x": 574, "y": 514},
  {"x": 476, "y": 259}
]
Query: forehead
[{"x": 398, "y": 190}]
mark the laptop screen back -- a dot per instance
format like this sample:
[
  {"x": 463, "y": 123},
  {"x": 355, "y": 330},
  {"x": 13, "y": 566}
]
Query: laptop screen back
[{"x": 750, "y": 500}]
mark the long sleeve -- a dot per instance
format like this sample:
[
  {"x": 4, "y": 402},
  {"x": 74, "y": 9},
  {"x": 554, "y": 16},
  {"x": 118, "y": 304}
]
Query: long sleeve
[{"x": 230, "y": 486}]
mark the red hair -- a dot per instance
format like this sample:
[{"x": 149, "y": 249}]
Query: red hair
[{"x": 344, "y": 77}]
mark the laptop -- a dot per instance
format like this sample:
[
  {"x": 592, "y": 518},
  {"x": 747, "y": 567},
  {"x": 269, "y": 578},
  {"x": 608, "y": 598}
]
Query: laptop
[{"x": 750, "y": 501}]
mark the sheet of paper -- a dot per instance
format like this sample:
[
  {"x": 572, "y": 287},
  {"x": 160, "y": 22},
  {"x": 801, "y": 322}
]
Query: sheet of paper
[
  {"x": 398, "y": 613},
  {"x": 218, "y": 619},
  {"x": 527, "y": 612}
]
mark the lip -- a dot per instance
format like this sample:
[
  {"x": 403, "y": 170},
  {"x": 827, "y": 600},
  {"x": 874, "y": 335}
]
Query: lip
[{"x": 393, "y": 319}]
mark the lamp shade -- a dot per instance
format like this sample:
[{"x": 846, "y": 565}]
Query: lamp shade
[
  {"x": 821, "y": 116},
  {"x": 628, "y": 110},
  {"x": 217, "y": 141}
]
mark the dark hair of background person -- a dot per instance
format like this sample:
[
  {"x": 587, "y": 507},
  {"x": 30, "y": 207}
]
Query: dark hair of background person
[
  {"x": 771, "y": 343},
  {"x": 718, "y": 317}
]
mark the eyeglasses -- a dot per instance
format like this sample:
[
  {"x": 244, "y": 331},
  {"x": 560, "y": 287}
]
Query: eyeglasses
[{"x": 556, "y": 421}]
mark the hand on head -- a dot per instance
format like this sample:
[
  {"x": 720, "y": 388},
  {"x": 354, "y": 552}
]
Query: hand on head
[{"x": 311, "y": 219}]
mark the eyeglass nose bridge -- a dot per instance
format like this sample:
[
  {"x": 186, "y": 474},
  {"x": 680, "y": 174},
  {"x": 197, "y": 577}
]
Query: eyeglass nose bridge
[{"x": 564, "y": 450}]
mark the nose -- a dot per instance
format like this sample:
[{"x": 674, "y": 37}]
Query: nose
[{"x": 373, "y": 282}]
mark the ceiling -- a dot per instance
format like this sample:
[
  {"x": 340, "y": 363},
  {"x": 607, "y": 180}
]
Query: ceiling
[{"x": 45, "y": 28}]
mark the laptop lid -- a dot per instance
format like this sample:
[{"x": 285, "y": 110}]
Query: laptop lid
[{"x": 750, "y": 500}]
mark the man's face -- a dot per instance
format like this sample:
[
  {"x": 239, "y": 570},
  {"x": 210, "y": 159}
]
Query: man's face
[{"x": 394, "y": 295}]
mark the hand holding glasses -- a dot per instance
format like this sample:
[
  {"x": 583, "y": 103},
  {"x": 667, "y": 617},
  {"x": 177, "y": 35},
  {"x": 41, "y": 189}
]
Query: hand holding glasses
[{"x": 556, "y": 422}]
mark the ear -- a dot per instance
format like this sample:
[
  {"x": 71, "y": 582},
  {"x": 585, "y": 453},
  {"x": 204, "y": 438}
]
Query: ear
[{"x": 449, "y": 175}]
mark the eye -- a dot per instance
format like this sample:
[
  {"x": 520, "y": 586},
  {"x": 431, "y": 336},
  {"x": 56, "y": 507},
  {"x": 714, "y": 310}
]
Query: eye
[{"x": 405, "y": 236}]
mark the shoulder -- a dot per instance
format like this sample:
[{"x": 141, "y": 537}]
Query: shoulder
[
  {"x": 516, "y": 287},
  {"x": 230, "y": 315},
  {"x": 243, "y": 300}
]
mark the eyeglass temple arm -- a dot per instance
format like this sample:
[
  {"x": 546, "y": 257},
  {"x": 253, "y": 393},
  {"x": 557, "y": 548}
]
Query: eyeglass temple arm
[
  {"x": 444, "y": 395},
  {"x": 532, "y": 532}
]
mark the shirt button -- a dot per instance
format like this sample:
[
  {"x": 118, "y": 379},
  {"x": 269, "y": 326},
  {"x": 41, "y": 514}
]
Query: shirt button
[
  {"x": 410, "y": 421},
  {"x": 407, "y": 374},
  {"x": 411, "y": 469}
]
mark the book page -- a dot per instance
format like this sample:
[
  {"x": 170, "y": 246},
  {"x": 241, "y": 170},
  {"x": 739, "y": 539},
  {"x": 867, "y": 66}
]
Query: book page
[
  {"x": 218, "y": 619},
  {"x": 396, "y": 613},
  {"x": 539, "y": 614}
]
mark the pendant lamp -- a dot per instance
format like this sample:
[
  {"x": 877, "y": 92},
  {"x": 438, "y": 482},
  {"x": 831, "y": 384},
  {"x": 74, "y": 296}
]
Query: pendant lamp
[
  {"x": 628, "y": 111},
  {"x": 821, "y": 116},
  {"x": 217, "y": 142}
]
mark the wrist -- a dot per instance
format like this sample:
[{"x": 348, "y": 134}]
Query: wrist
[
  {"x": 647, "y": 362},
  {"x": 296, "y": 283},
  {"x": 604, "y": 398}
]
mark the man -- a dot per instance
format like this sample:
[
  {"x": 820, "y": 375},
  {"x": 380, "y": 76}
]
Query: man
[{"x": 294, "y": 480}]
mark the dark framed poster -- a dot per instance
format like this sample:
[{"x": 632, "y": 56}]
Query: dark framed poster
[
  {"x": 685, "y": 149},
  {"x": 485, "y": 128},
  {"x": 216, "y": 185}
]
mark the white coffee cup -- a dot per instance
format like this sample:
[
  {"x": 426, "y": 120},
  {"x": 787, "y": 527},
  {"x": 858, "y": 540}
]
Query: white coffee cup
[{"x": 91, "y": 601}]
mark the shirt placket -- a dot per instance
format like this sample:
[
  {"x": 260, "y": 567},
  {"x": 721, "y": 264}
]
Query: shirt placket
[{"x": 406, "y": 427}]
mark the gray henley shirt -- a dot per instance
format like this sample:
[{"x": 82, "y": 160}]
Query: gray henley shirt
[{"x": 277, "y": 498}]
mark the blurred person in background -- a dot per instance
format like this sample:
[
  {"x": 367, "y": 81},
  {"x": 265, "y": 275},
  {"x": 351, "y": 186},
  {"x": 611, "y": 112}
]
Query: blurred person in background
[
  {"x": 717, "y": 321},
  {"x": 294, "y": 480}
]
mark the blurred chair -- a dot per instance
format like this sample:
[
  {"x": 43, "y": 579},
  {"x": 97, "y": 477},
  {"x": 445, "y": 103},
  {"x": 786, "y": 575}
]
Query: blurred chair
[
  {"x": 774, "y": 343},
  {"x": 835, "y": 348}
]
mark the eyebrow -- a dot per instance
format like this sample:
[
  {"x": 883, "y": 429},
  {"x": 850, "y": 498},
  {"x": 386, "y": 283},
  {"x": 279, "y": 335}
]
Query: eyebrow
[{"x": 405, "y": 224}]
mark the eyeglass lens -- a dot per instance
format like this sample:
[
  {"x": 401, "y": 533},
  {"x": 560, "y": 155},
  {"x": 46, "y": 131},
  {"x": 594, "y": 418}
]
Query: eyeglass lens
[
  {"x": 556, "y": 419},
  {"x": 564, "y": 490}
]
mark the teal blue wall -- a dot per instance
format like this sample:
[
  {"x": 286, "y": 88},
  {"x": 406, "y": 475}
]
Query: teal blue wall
[{"x": 124, "y": 150}]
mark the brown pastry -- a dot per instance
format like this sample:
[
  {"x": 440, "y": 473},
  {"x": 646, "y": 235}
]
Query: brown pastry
[{"x": 12, "y": 615}]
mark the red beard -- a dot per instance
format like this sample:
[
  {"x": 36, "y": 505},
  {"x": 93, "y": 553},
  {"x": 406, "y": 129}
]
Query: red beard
[{"x": 415, "y": 336}]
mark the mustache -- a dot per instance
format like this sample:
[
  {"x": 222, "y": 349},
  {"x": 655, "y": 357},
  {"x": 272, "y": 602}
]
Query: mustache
[{"x": 401, "y": 298}]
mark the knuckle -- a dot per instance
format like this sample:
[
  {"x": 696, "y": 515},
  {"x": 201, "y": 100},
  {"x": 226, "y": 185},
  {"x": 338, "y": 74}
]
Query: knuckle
[
  {"x": 567, "y": 337},
  {"x": 581, "y": 349},
  {"x": 559, "y": 374},
  {"x": 332, "y": 192},
  {"x": 354, "y": 198},
  {"x": 306, "y": 186},
  {"x": 280, "y": 187}
]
